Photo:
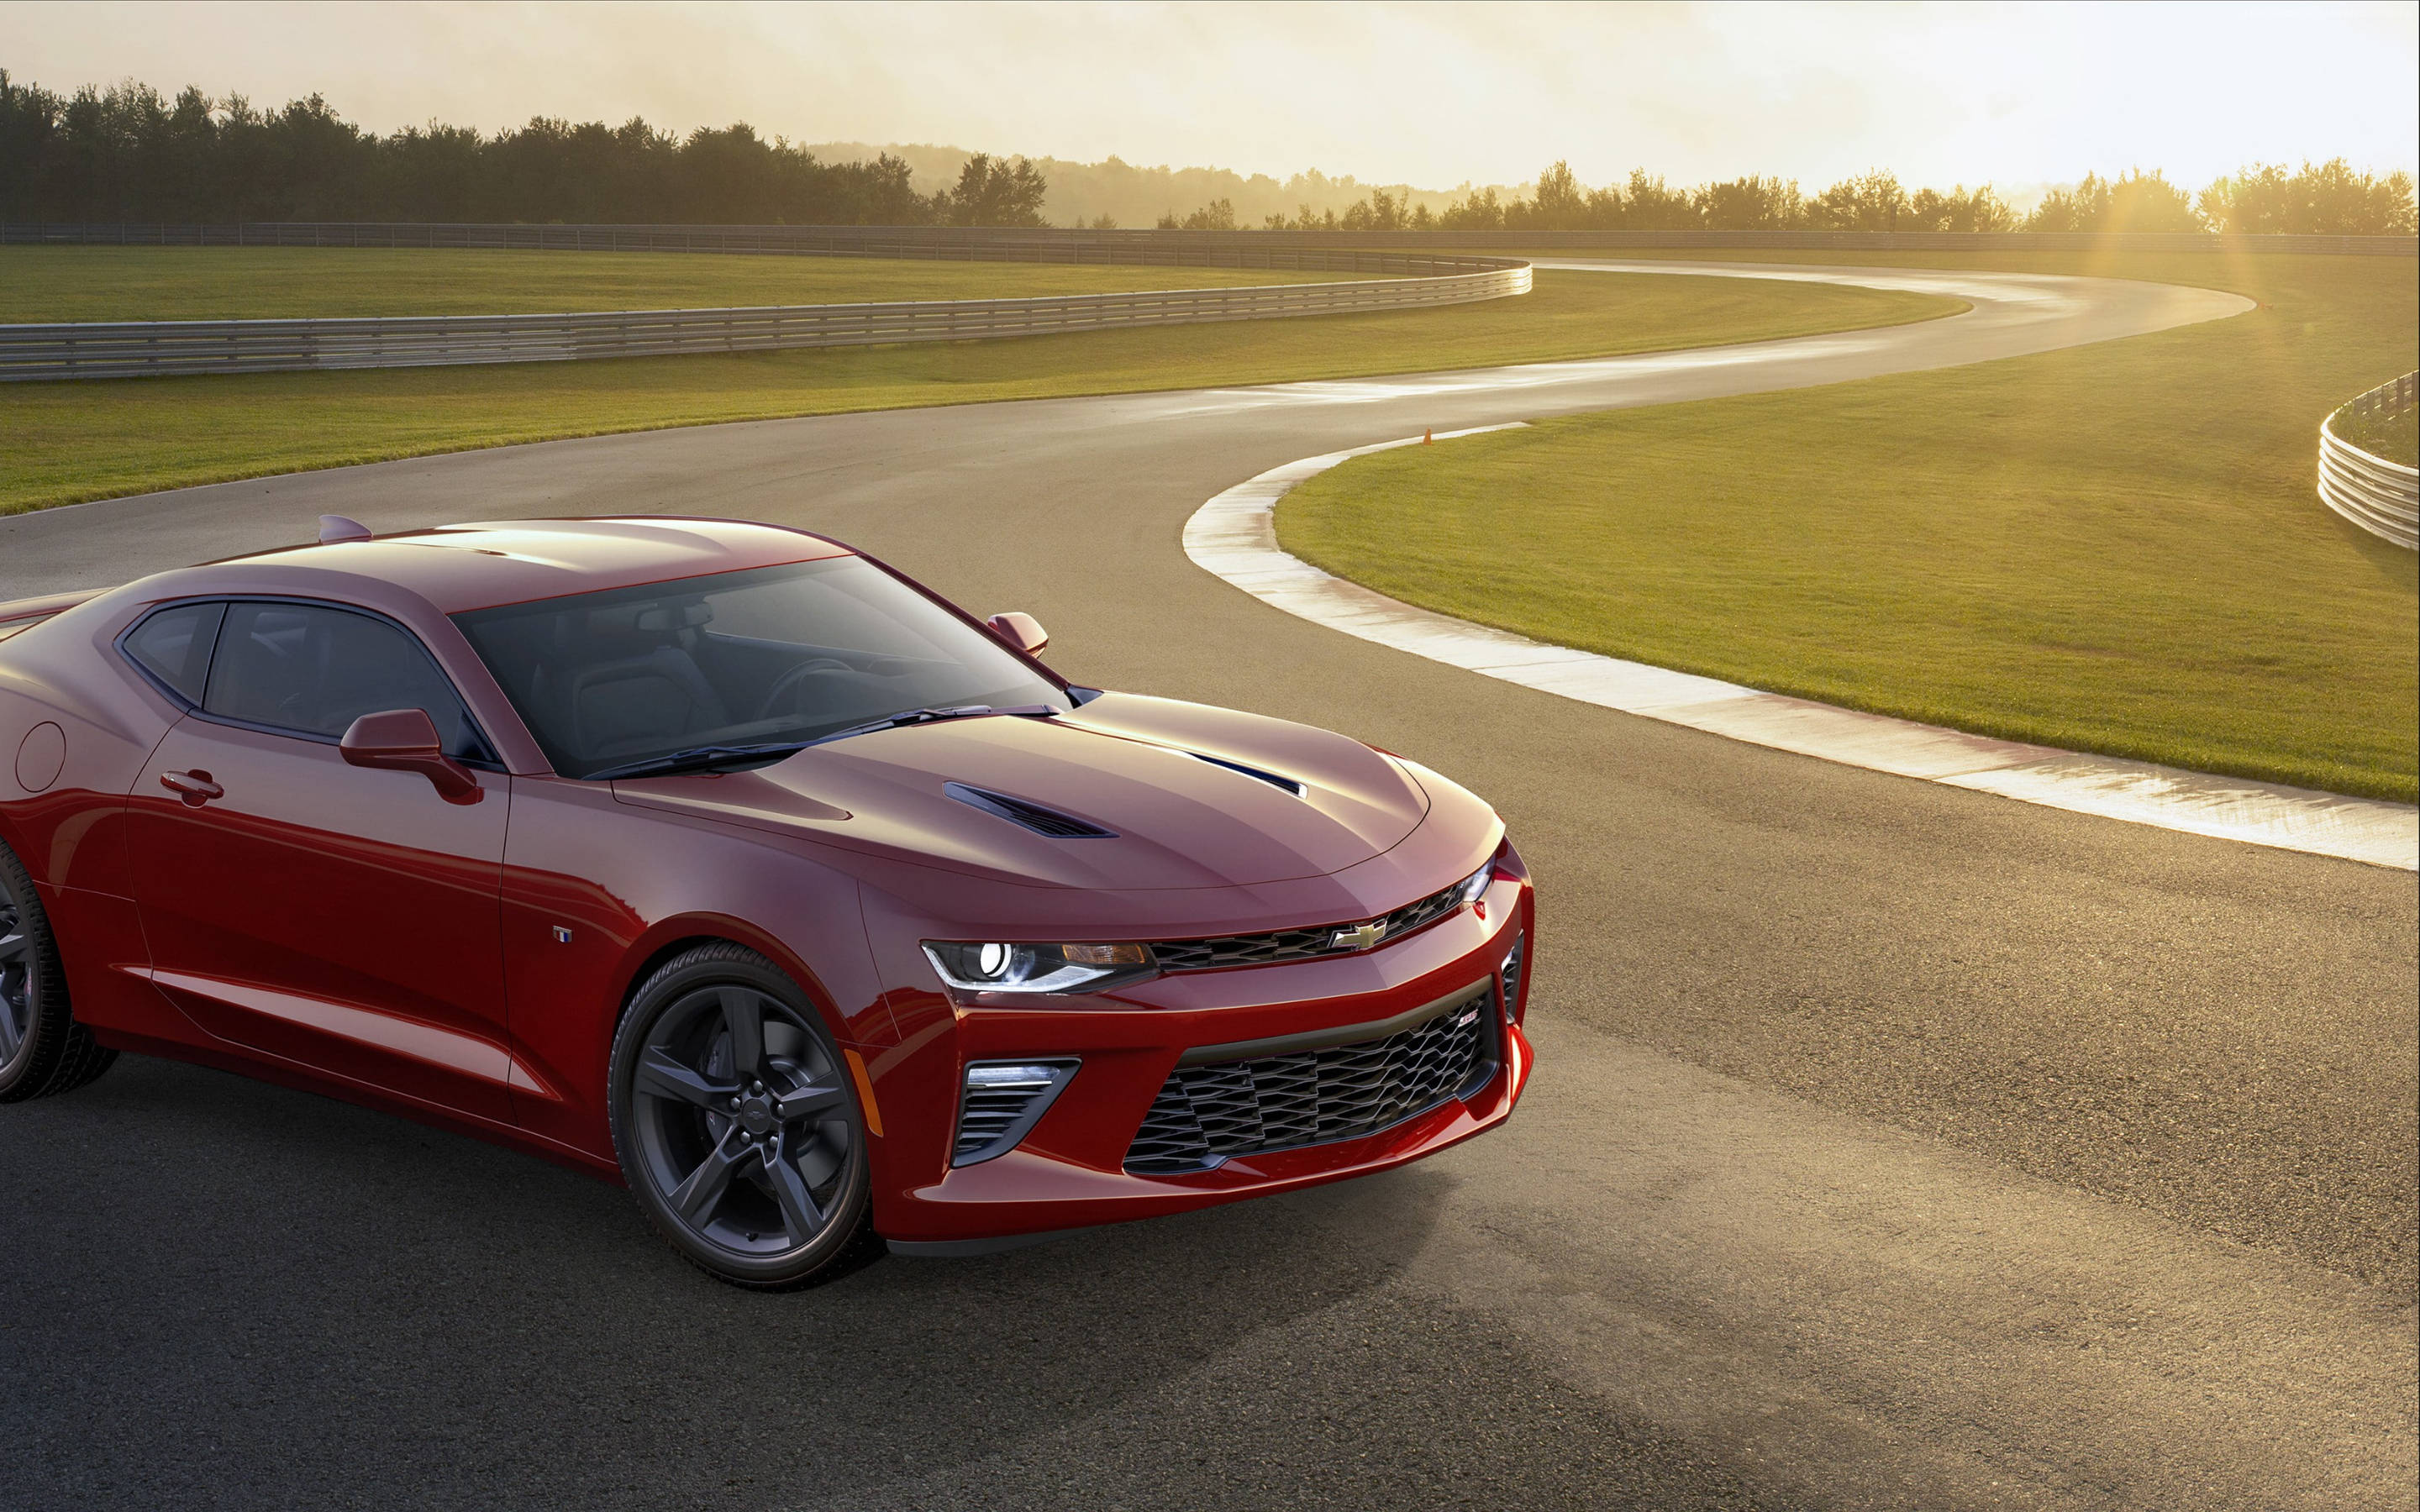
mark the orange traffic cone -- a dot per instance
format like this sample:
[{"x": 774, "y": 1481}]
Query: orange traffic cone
[{"x": 1428, "y": 437}]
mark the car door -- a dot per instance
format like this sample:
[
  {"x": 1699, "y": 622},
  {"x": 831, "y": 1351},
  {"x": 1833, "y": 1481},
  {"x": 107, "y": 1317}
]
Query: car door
[{"x": 326, "y": 914}]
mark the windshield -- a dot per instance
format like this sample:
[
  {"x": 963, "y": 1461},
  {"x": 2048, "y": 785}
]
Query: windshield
[{"x": 761, "y": 657}]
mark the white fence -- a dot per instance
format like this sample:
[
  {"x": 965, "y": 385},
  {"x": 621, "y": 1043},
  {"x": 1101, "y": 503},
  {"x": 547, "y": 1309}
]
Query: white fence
[{"x": 2380, "y": 496}]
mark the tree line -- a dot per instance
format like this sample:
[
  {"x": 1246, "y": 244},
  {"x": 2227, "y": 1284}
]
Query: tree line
[
  {"x": 1115, "y": 193},
  {"x": 2329, "y": 199},
  {"x": 128, "y": 153}
]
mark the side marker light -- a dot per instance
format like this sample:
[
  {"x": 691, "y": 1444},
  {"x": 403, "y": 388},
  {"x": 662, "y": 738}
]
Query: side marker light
[{"x": 864, "y": 1091}]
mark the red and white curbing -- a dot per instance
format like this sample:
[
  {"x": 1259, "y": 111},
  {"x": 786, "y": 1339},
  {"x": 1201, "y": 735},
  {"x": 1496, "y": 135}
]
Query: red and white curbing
[{"x": 1235, "y": 537}]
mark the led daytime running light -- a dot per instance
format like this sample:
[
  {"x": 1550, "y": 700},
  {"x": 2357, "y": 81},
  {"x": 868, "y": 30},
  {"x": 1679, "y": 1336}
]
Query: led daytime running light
[{"x": 1006, "y": 966}]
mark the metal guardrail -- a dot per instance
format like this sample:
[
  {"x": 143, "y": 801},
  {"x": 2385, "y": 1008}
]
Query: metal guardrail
[
  {"x": 152, "y": 348},
  {"x": 1060, "y": 244},
  {"x": 162, "y": 349},
  {"x": 2380, "y": 496}
]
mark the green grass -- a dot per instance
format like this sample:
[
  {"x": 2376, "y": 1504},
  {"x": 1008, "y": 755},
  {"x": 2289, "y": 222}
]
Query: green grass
[
  {"x": 78, "y": 441},
  {"x": 43, "y": 284},
  {"x": 2114, "y": 548}
]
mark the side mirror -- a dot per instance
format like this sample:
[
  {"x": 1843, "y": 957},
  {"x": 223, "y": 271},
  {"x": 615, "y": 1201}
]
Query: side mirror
[
  {"x": 405, "y": 740},
  {"x": 1021, "y": 630}
]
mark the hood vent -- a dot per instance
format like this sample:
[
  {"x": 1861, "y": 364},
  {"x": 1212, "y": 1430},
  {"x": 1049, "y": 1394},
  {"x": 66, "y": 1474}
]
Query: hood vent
[
  {"x": 1272, "y": 779},
  {"x": 1032, "y": 816}
]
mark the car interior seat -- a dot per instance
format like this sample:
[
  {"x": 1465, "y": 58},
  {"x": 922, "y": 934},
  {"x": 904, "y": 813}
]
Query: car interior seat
[{"x": 651, "y": 696}]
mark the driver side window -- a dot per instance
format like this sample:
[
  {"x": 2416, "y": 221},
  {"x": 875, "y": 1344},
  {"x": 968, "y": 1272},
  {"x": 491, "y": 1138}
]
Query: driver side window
[{"x": 313, "y": 670}]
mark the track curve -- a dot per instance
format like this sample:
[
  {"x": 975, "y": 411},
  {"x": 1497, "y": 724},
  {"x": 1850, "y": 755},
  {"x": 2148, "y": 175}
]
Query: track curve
[
  {"x": 1233, "y": 537},
  {"x": 2010, "y": 314},
  {"x": 1891, "y": 1144}
]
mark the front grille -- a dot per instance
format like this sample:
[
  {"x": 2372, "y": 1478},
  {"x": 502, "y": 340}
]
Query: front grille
[
  {"x": 1245, "y": 950},
  {"x": 1296, "y": 944},
  {"x": 1206, "y": 1113}
]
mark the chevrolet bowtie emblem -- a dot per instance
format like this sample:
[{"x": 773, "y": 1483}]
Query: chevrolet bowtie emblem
[{"x": 1358, "y": 937}]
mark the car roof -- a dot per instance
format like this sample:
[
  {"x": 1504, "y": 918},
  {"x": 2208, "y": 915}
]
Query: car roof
[{"x": 459, "y": 567}]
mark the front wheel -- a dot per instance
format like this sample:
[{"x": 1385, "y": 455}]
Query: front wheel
[
  {"x": 43, "y": 1050},
  {"x": 736, "y": 1125}
]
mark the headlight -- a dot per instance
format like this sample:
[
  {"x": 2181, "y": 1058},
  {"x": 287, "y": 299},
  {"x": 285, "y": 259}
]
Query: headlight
[
  {"x": 1475, "y": 885},
  {"x": 1001, "y": 967}
]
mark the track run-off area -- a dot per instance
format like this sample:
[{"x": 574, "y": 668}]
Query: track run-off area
[{"x": 1891, "y": 1144}]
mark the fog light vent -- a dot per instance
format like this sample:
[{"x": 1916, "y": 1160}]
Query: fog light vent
[
  {"x": 1513, "y": 977},
  {"x": 1003, "y": 1101}
]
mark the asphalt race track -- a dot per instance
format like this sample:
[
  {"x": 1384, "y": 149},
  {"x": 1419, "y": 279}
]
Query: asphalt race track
[{"x": 1890, "y": 1146}]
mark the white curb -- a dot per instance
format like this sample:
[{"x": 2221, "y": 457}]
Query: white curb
[{"x": 1234, "y": 536}]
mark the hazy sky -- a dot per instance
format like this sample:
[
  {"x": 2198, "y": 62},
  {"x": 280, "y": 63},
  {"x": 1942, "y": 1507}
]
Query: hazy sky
[{"x": 1432, "y": 94}]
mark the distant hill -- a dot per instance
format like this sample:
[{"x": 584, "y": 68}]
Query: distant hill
[{"x": 1136, "y": 196}]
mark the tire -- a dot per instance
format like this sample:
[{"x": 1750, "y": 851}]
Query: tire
[
  {"x": 43, "y": 1050},
  {"x": 736, "y": 1120}
]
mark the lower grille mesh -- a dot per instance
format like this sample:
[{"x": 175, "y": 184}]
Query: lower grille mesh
[{"x": 1205, "y": 1114}]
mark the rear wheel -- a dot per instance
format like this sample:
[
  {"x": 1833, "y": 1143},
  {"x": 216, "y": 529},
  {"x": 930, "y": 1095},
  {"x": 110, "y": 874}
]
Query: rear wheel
[
  {"x": 736, "y": 1125},
  {"x": 43, "y": 1050}
]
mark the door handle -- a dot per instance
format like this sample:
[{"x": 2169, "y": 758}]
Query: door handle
[{"x": 194, "y": 787}]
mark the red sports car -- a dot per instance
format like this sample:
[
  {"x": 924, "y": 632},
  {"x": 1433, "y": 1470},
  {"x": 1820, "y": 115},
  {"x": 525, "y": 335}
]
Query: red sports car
[{"x": 730, "y": 861}]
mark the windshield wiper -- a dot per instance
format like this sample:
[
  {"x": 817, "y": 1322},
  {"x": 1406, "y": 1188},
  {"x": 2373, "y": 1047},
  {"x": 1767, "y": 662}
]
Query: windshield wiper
[
  {"x": 962, "y": 711},
  {"x": 698, "y": 758},
  {"x": 701, "y": 758}
]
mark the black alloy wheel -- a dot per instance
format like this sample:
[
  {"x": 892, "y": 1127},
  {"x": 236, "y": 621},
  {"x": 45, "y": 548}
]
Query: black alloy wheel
[
  {"x": 43, "y": 1050},
  {"x": 736, "y": 1125}
]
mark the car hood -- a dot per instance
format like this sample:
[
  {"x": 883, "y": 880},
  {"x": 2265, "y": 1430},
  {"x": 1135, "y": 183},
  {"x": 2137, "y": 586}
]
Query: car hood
[{"x": 1144, "y": 769}]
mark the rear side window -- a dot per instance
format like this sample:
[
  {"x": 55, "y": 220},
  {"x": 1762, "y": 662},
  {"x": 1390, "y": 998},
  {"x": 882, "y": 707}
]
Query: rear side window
[
  {"x": 173, "y": 645},
  {"x": 315, "y": 670}
]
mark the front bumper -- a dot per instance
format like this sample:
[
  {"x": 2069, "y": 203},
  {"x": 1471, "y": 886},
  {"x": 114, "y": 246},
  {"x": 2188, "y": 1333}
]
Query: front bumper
[{"x": 1070, "y": 1171}]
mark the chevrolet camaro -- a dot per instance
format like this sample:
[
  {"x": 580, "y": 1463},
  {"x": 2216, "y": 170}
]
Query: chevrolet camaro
[{"x": 729, "y": 862}]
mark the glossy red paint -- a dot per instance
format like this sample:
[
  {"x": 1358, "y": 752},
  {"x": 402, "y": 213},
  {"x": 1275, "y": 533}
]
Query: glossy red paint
[
  {"x": 406, "y": 740},
  {"x": 316, "y": 892},
  {"x": 455, "y": 941}
]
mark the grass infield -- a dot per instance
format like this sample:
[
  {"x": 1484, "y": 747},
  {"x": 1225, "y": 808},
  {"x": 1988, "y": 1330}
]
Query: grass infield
[
  {"x": 2114, "y": 548},
  {"x": 41, "y": 283},
  {"x": 76, "y": 441}
]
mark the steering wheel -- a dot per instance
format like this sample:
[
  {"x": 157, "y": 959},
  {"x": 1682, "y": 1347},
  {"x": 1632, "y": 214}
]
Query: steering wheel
[{"x": 788, "y": 682}]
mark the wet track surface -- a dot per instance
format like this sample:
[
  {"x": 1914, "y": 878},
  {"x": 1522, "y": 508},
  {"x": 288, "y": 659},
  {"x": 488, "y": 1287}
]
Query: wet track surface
[{"x": 1891, "y": 1146}]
